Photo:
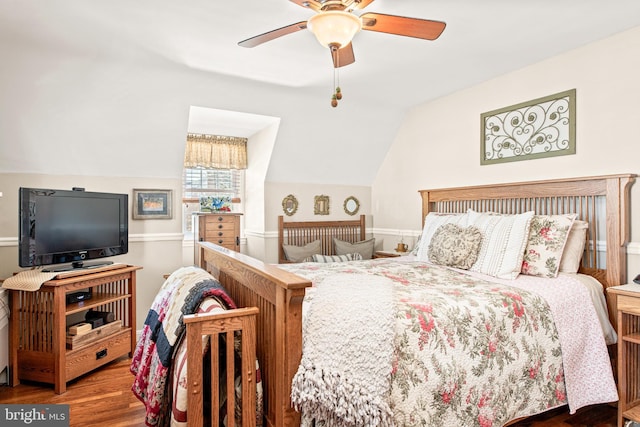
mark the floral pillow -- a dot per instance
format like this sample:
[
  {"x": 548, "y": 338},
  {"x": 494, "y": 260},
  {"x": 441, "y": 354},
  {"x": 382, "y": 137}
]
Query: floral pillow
[
  {"x": 547, "y": 238},
  {"x": 432, "y": 222},
  {"x": 455, "y": 246}
]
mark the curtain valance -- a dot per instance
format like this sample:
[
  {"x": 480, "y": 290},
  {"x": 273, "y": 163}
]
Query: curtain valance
[{"x": 215, "y": 151}]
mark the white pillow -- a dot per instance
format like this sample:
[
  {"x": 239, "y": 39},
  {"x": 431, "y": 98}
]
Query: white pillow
[
  {"x": 574, "y": 249},
  {"x": 432, "y": 222},
  {"x": 504, "y": 238}
]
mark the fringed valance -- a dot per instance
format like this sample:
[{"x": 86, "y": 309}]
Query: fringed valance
[{"x": 214, "y": 151}]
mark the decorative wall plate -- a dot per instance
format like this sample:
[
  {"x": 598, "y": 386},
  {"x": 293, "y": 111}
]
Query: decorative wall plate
[
  {"x": 351, "y": 205},
  {"x": 290, "y": 205}
]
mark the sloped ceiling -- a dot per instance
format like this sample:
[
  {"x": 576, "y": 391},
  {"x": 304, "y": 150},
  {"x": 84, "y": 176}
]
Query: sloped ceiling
[{"x": 93, "y": 87}]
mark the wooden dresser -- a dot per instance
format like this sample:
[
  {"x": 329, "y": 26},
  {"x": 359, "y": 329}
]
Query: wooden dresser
[{"x": 220, "y": 228}]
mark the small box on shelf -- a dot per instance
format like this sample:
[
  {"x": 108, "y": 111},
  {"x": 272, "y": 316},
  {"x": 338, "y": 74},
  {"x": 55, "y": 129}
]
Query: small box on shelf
[
  {"x": 79, "y": 329},
  {"x": 76, "y": 341}
]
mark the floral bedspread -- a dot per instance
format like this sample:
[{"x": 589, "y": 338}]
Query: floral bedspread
[{"x": 473, "y": 352}]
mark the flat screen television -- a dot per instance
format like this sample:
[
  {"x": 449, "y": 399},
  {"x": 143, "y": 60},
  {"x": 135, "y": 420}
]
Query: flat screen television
[{"x": 71, "y": 227}]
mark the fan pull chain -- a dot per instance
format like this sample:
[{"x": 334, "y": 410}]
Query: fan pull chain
[{"x": 337, "y": 93}]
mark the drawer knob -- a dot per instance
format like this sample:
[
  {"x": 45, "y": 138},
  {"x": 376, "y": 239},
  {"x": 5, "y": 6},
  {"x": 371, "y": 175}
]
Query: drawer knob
[
  {"x": 100, "y": 354},
  {"x": 219, "y": 225},
  {"x": 220, "y": 233},
  {"x": 220, "y": 241},
  {"x": 220, "y": 218}
]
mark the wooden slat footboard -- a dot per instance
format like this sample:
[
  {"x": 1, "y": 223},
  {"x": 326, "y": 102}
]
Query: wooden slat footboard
[
  {"x": 278, "y": 296},
  {"x": 214, "y": 324}
]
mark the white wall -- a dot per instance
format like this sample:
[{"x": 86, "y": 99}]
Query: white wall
[
  {"x": 438, "y": 144},
  {"x": 305, "y": 193}
]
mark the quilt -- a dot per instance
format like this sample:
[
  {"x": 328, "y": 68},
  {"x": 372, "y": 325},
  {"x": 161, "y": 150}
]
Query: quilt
[
  {"x": 181, "y": 294},
  {"x": 477, "y": 352}
]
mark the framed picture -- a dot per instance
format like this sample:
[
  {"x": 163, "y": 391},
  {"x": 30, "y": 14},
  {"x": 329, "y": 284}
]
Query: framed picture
[
  {"x": 321, "y": 205},
  {"x": 152, "y": 204},
  {"x": 543, "y": 127}
]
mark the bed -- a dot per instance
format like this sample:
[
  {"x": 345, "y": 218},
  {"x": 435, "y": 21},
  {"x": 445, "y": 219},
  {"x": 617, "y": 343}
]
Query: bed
[{"x": 601, "y": 202}]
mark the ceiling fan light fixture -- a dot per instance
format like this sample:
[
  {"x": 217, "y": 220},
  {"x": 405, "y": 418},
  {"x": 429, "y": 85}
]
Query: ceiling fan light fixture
[{"x": 334, "y": 27}]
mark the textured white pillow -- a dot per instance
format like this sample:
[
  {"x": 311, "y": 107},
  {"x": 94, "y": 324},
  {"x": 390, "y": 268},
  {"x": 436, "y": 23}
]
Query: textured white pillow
[
  {"x": 574, "y": 249},
  {"x": 504, "y": 238},
  {"x": 432, "y": 222},
  {"x": 299, "y": 253}
]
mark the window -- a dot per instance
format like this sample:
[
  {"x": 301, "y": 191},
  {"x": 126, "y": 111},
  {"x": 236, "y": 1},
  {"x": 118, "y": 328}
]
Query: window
[
  {"x": 213, "y": 166},
  {"x": 199, "y": 182}
]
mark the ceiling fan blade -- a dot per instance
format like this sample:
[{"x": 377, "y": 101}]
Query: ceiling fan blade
[
  {"x": 343, "y": 56},
  {"x": 310, "y": 4},
  {"x": 270, "y": 35},
  {"x": 347, "y": 4},
  {"x": 399, "y": 25}
]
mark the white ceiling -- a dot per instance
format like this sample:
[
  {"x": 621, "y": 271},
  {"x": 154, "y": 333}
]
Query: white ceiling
[{"x": 482, "y": 40}]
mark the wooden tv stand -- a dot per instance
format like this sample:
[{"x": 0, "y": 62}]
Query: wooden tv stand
[{"x": 38, "y": 325}]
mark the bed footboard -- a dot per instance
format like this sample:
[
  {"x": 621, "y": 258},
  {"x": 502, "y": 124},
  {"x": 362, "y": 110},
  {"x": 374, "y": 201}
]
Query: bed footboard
[
  {"x": 278, "y": 296},
  {"x": 213, "y": 325}
]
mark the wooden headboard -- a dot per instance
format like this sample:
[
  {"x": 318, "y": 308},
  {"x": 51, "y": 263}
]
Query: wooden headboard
[
  {"x": 303, "y": 232},
  {"x": 602, "y": 201}
]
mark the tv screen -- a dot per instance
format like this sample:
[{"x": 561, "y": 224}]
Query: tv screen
[{"x": 68, "y": 226}]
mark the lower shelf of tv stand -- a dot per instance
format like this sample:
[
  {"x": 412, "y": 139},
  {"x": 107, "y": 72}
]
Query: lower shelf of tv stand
[{"x": 40, "y": 366}]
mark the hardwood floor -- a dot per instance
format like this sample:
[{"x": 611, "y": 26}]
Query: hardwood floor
[
  {"x": 100, "y": 398},
  {"x": 104, "y": 398}
]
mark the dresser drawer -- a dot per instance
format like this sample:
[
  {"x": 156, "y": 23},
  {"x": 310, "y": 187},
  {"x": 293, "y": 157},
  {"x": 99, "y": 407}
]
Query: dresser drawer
[
  {"x": 228, "y": 242},
  {"x": 97, "y": 354},
  {"x": 214, "y": 219},
  {"x": 212, "y": 227},
  {"x": 215, "y": 235}
]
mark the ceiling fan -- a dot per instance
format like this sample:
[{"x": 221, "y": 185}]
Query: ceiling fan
[{"x": 335, "y": 25}]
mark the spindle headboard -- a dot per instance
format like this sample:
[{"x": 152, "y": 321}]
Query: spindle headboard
[
  {"x": 602, "y": 201},
  {"x": 299, "y": 233}
]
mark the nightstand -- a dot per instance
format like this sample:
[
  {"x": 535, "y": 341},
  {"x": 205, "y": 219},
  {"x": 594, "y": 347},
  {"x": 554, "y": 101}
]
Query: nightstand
[
  {"x": 627, "y": 303},
  {"x": 388, "y": 254}
]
